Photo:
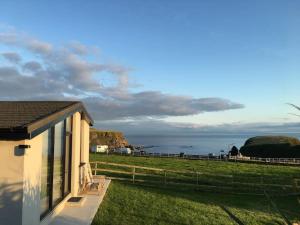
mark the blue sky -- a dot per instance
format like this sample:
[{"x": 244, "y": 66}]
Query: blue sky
[{"x": 245, "y": 51}]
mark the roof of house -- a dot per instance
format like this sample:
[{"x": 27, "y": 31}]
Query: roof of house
[{"x": 25, "y": 119}]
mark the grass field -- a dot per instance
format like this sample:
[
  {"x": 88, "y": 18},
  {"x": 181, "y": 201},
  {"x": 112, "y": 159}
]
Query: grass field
[
  {"x": 215, "y": 167},
  {"x": 145, "y": 203}
]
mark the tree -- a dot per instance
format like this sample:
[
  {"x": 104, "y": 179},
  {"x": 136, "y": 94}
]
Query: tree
[{"x": 234, "y": 151}]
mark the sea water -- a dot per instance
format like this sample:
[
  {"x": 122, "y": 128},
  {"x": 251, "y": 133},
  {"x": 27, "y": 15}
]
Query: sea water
[{"x": 189, "y": 144}]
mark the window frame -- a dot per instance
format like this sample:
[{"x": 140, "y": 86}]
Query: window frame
[{"x": 51, "y": 203}]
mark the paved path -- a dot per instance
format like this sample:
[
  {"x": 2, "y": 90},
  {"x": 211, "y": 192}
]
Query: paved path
[{"x": 81, "y": 215}]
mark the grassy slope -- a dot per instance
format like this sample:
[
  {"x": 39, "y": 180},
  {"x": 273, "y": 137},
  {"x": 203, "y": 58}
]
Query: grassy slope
[
  {"x": 262, "y": 140},
  {"x": 272, "y": 147},
  {"x": 139, "y": 204},
  {"x": 214, "y": 167}
]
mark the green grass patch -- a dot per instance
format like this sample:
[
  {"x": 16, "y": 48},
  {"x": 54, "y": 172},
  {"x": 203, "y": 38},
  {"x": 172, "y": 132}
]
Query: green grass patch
[
  {"x": 159, "y": 203},
  {"x": 127, "y": 204},
  {"x": 237, "y": 176},
  {"x": 212, "y": 167}
]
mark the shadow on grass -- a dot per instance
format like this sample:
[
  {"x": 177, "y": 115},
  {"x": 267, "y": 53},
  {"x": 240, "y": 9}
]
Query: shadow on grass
[
  {"x": 232, "y": 216},
  {"x": 246, "y": 202}
]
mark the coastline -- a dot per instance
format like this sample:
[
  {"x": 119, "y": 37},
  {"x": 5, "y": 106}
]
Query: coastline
[{"x": 195, "y": 144}]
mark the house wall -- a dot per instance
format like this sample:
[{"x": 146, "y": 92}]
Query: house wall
[
  {"x": 85, "y": 141},
  {"x": 20, "y": 175},
  {"x": 31, "y": 184},
  {"x": 11, "y": 182},
  {"x": 76, "y": 137}
]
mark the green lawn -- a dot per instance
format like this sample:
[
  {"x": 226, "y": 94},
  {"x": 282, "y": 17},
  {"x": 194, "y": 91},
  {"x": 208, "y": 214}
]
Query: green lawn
[
  {"x": 146, "y": 203},
  {"x": 212, "y": 167}
]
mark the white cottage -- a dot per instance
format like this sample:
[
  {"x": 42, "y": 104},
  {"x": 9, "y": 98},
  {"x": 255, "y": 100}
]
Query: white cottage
[{"x": 43, "y": 146}]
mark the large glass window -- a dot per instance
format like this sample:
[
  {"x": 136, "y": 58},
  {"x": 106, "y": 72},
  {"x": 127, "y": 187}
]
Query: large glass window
[
  {"x": 68, "y": 156},
  {"x": 56, "y": 165},
  {"x": 59, "y": 155},
  {"x": 46, "y": 175}
]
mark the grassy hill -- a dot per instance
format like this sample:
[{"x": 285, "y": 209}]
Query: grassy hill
[
  {"x": 148, "y": 203},
  {"x": 272, "y": 147},
  {"x": 263, "y": 140},
  {"x": 113, "y": 139}
]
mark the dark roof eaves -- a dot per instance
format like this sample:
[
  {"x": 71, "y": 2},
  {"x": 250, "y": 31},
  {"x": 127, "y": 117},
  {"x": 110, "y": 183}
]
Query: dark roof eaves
[
  {"x": 75, "y": 107},
  {"x": 25, "y": 131}
]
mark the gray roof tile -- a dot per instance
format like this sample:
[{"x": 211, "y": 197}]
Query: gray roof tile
[{"x": 18, "y": 116}]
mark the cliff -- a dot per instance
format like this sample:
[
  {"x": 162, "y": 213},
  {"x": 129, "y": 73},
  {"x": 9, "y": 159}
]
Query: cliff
[
  {"x": 113, "y": 139},
  {"x": 272, "y": 147}
]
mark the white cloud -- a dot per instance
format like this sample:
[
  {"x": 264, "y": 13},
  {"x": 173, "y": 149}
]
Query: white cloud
[
  {"x": 65, "y": 72},
  {"x": 12, "y": 57},
  {"x": 160, "y": 127},
  {"x": 32, "y": 66}
]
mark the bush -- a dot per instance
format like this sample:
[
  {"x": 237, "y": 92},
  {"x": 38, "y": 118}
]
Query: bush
[{"x": 234, "y": 151}]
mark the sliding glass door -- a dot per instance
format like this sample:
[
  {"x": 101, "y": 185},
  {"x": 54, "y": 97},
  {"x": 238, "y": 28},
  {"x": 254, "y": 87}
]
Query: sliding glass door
[
  {"x": 58, "y": 162},
  {"x": 46, "y": 172},
  {"x": 68, "y": 156},
  {"x": 56, "y": 165}
]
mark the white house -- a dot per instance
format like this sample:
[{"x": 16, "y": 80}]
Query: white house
[
  {"x": 99, "y": 148},
  {"x": 124, "y": 150},
  {"x": 43, "y": 147}
]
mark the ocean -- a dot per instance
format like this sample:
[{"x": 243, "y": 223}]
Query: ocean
[{"x": 191, "y": 144}]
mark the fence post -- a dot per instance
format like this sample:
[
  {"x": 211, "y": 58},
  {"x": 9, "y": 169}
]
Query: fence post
[
  {"x": 133, "y": 174},
  {"x": 95, "y": 173}
]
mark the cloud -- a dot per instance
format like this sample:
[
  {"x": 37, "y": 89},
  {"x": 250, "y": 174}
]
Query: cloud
[
  {"x": 148, "y": 104},
  {"x": 160, "y": 127},
  {"x": 12, "y": 57},
  {"x": 32, "y": 66},
  {"x": 21, "y": 40},
  {"x": 80, "y": 49},
  {"x": 15, "y": 86},
  {"x": 67, "y": 72}
]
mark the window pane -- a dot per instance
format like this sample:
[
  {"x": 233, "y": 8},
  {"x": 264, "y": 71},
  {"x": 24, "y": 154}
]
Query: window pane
[
  {"x": 67, "y": 187},
  {"x": 46, "y": 172},
  {"x": 58, "y": 169}
]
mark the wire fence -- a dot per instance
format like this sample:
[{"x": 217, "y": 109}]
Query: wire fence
[
  {"x": 281, "y": 161},
  {"x": 231, "y": 183}
]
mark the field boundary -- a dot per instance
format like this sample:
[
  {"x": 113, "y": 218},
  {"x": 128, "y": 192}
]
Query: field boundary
[
  {"x": 223, "y": 182},
  {"x": 257, "y": 160}
]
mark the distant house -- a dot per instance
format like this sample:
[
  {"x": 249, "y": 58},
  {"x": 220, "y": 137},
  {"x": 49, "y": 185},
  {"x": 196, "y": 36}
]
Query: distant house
[
  {"x": 43, "y": 146},
  {"x": 99, "y": 148},
  {"x": 123, "y": 150}
]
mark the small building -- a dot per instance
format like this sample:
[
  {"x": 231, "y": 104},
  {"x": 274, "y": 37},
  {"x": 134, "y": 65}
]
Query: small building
[
  {"x": 99, "y": 148},
  {"x": 43, "y": 146},
  {"x": 239, "y": 156},
  {"x": 124, "y": 150}
]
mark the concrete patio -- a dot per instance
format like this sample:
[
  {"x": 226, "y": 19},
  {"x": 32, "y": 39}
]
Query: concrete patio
[{"x": 84, "y": 214}]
